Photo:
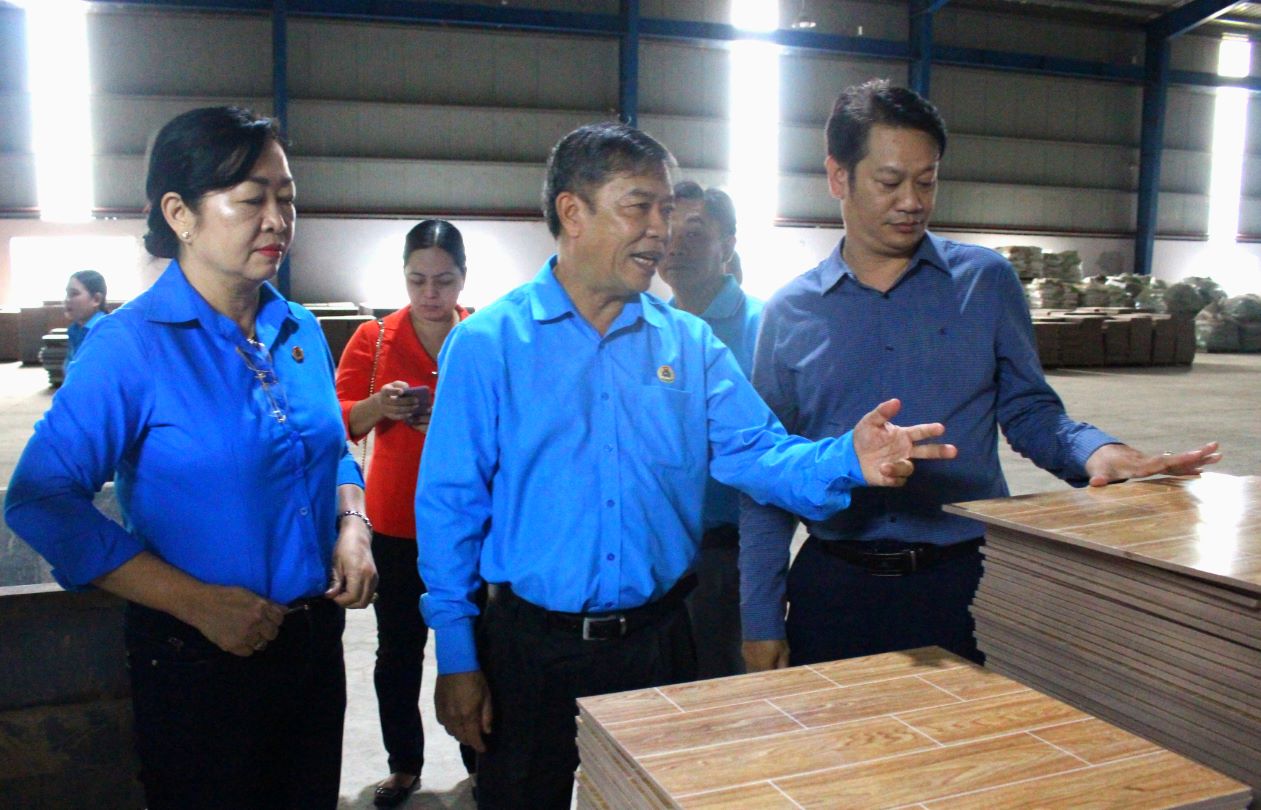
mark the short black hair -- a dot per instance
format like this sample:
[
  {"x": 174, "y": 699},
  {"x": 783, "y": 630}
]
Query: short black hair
[
  {"x": 92, "y": 281},
  {"x": 587, "y": 157},
  {"x": 440, "y": 234},
  {"x": 717, "y": 203},
  {"x": 878, "y": 102},
  {"x": 200, "y": 151}
]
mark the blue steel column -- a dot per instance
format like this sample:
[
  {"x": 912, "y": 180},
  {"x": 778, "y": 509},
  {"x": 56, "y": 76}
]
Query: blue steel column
[
  {"x": 280, "y": 99},
  {"x": 628, "y": 64},
  {"x": 919, "y": 71},
  {"x": 1155, "y": 90}
]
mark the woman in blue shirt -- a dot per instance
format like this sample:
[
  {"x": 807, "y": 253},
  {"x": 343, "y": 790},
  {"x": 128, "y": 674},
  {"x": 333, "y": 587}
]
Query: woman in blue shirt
[
  {"x": 84, "y": 306},
  {"x": 210, "y": 397}
]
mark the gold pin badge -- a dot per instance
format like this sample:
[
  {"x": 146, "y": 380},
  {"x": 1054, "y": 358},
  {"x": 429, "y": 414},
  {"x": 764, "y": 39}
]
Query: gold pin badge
[
  {"x": 665, "y": 374},
  {"x": 298, "y": 354}
]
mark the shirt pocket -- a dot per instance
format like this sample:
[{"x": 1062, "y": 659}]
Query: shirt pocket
[{"x": 666, "y": 426}]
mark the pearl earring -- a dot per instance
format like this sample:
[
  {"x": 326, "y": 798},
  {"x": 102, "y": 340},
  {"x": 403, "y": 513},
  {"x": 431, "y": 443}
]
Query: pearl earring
[{"x": 186, "y": 236}]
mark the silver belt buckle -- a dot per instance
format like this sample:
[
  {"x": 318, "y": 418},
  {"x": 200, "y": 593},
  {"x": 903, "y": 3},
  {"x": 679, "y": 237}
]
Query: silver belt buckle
[{"x": 591, "y": 621}]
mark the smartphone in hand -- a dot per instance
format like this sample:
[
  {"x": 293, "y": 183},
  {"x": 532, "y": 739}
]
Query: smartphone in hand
[{"x": 424, "y": 398}]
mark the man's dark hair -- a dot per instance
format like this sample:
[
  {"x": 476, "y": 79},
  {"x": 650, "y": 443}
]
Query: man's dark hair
[
  {"x": 440, "y": 234},
  {"x": 586, "y": 158},
  {"x": 717, "y": 203},
  {"x": 878, "y": 102},
  {"x": 198, "y": 152}
]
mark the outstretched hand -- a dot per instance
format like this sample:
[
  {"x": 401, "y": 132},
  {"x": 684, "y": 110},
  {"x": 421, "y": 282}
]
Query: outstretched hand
[
  {"x": 1118, "y": 462},
  {"x": 885, "y": 450}
]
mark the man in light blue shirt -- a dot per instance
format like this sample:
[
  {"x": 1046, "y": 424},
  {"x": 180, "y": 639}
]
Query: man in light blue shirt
[
  {"x": 702, "y": 244},
  {"x": 575, "y": 422}
]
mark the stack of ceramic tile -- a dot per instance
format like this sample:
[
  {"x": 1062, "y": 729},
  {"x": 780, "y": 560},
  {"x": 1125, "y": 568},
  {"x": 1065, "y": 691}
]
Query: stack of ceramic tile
[
  {"x": 919, "y": 728},
  {"x": 1139, "y": 603}
]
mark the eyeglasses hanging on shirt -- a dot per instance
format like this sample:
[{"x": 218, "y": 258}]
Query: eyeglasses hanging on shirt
[{"x": 260, "y": 365}]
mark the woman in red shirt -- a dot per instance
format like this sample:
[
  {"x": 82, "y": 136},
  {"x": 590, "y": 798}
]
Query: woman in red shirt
[{"x": 381, "y": 362}]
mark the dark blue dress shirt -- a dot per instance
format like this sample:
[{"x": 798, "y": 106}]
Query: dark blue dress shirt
[
  {"x": 209, "y": 479},
  {"x": 572, "y": 465},
  {"x": 953, "y": 340}
]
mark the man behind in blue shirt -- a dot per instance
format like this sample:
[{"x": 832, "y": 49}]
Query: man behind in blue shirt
[
  {"x": 702, "y": 243},
  {"x": 945, "y": 324},
  {"x": 575, "y": 421}
]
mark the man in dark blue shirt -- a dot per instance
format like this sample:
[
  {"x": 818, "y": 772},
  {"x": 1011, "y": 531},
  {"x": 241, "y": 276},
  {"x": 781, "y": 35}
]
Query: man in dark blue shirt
[
  {"x": 702, "y": 244},
  {"x": 575, "y": 423},
  {"x": 944, "y": 324}
]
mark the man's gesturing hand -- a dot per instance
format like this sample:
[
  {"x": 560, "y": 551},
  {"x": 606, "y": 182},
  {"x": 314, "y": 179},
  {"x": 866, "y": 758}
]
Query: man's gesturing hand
[{"x": 885, "y": 450}]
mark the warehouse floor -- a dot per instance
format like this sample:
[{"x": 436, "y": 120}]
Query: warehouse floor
[{"x": 1155, "y": 409}]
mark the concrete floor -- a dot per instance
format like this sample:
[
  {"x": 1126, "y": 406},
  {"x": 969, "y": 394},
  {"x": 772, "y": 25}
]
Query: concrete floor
[{"x": 1155, "y": 409}]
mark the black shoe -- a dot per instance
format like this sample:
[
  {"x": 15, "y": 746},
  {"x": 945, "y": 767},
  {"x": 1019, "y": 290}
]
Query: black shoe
[{"x": 393, "y": 796}]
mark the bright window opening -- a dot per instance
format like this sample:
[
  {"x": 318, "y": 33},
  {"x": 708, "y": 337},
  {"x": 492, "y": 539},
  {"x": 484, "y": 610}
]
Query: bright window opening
[
  {"x": 41, "y": 265},
  {"x": 1230, "y": 123},
  {"x": 61, "y": 132},
  {"x": 754, "y": 120}
]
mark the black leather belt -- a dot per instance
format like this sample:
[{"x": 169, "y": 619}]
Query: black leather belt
[
  {"x": 597, "y": 626},
  {"x": 725, "y": 536},
  {"x": 894, "y": 558}
]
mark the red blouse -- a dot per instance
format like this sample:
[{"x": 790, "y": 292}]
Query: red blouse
[{"x": 392, "y": 469}]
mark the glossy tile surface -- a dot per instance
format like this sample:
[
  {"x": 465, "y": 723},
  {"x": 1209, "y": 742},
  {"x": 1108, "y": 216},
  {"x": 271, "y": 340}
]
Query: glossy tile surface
[
  {"x": 920, "y": 728},
  {"x": 1208, "y": 527}
]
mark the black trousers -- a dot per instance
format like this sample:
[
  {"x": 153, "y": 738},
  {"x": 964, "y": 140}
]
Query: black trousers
[
  {"x": 214, "y": 730},
  {"x": 715, "y": 605},
  {"x": 837, "y": 609},
  {"x": 536, "y": 672},
  {"x": 401, "y": 636}
]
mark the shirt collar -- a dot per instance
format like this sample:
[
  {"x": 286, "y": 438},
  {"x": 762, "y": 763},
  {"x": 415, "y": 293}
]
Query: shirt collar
[
  {"x": 725, "y": 303},
  {"x": 173, "y": 300},
  {"x": 834, "y": 268},
  {"x": 550, "y": 302}
]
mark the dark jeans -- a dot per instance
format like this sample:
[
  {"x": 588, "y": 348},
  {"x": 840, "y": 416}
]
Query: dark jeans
[
  {"x": 837, "y": 609},
  {"x": 536, "y": 672},
  {"x": 715, "y": 605},
  {"x": 401, "y": 636},
  {"x": 214, "y": 730}
]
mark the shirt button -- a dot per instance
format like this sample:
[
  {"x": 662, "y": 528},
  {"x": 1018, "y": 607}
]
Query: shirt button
[
  {"x": 608, "y": 448},
  {"x": 888, "y": 348},
  {"x": 605, "y": 395},
  {"x": 611, "y": 557},
  {"x": 608, "y": 502},
  {"x": 304, "y": 511}
]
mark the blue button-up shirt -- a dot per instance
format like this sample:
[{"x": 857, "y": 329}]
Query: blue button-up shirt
[
  {"x": 734, "y": 316},
  {"x": 572, "y": 465},
  {"x": 77, "y": 333},
  {"x": 207, "y": 478},
  {"x": 953, "y": 340}
]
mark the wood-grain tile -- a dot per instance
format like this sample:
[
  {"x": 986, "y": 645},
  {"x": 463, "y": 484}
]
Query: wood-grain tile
[
  {"x": 717, "y": 766},
  {"x": 927, "y": 775},
  {"x": 741, "y": 721},
  {"x": 845, "y": 703},
  {"x": 623, "y": 706},
  {"x": 761, "y": 796},
  {"x": 1143, "y": 783},
  {"x": 758, "y": 686},
  {"x": 853, "y": 671},
  {"x": 973, "y": 683},
  {"x": 1095, "y": 741},
  {"x": 1019, "y": 711}
]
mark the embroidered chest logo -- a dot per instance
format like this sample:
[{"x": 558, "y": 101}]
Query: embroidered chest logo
[
  {"x": 298, "y": 354},
  {"x": 665, "y": 374}
]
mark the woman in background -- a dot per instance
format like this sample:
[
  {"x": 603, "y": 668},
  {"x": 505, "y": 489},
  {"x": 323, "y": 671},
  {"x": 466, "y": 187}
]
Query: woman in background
[
  {"x": 244, "y": 534},
  {"x": 84, "y": 306},
  {"x": 402, "y": 349}
]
